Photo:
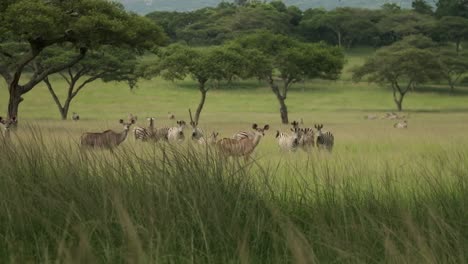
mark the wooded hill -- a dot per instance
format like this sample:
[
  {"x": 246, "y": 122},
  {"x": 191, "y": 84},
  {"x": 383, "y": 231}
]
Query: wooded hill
[{"x": 147, "y": 6}]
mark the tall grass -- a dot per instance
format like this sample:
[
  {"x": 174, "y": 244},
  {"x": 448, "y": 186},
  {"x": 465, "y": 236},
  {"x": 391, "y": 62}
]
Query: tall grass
[{"x": 165, "y": 204}]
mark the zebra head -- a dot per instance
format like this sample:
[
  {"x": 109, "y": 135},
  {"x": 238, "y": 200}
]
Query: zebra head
[
  {"x": 319, "y": 128},
  {"x": 295, "y": 124},
  {"x": 296, "y": 135},
  {"x": 180, "y": 127},
  {"x": 127, "y": 125}
]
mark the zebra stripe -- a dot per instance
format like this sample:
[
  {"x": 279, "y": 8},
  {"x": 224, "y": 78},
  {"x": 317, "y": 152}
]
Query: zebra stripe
[
  {"x": 307, "y": 138},
  {"x": 325, "y": 140},
  {"x": 171, "y": 133},
  {"x": 287, "y": 142},
  {"x": 243, "y": 134},
  {"x": 142, "y": 133}
]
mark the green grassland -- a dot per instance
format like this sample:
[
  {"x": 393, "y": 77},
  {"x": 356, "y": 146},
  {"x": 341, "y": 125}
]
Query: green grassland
[{"x": 383, "y": 196}]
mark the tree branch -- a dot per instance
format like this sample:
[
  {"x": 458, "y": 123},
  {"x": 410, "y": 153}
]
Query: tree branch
[
  {"x": 65, "y": 77},
  {"x": 52, "y": 92},
  {"x": 89, "y": 80},
  {"x": 36, "y": 79}
]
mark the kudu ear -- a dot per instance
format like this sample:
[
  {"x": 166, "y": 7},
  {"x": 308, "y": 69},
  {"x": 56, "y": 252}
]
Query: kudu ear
[
  {"x": 266, "y": 127},
  {"x": 254, "y": 126}
]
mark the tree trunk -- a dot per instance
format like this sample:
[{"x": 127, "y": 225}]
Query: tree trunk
[
  {"x": 339, "y": 38},
  {"x": 64, "y": 109},
  {"x": 283, "y": 112},
  {"x": 399, "y": 95},
  {"x": 399, "y": 103},
  {"x": 281, "y": 100},
  {"x": 202, "y": 101},
  {"x": 14, "y": 100}
]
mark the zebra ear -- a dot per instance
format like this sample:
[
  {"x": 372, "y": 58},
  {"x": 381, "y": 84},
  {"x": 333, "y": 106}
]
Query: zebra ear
[
  {"x": 133, "y": 121},
  {"x": 277, "y": 133},
  {"x": 255, "y": 126},
  {"x": 1, "y": 119},
  {"x": 121, "y": 121},
  {"x": 266, "y": 127}
]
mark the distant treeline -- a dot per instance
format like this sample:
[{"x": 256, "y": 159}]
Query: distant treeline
[{"x": 344, "y": 26}]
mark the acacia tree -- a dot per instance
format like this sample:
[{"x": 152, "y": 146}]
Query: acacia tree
[
  {"x": 85, "y": 24},
  {"x": 291, "y": 60},
  {"x": 452, "y": 28},
  {"x": 403, "y": 65},
  {"x": 453, "y": 66},
  {"x": 176, "y": 62},
  {"x": 348, "y": 25},
  {"x": 107, "y": 64}
]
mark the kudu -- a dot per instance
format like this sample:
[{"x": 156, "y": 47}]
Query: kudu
[
  {"x": 107, "y": 139},
  {"x": 243, "y": 147},
  {"x": 5, "y": 125}
]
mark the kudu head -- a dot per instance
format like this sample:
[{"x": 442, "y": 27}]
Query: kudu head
[
  {"x": 260, "y": 131},
  {"x": 127, "y": 125},
  {"x": 9, "y": 122}
]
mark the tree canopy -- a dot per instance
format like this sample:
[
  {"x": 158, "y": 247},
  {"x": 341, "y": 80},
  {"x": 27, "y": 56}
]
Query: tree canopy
[
  {"x": 84, "y": 24},
  {"x": 292, "y": 60},
  {"x": 402, "y": 66}
]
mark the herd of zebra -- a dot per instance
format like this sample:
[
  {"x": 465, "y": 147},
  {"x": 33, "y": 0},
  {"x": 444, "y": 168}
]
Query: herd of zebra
[{"x": 242, "y": 143}]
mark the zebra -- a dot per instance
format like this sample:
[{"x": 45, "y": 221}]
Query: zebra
[
  {"x": 243, "y": 147},
  {"x": 306, "y": 139},
  {"x": 288, "y": 142},
  {"x": 403, "y": 124},
  {"x": 306, "y": 136},
  {"x": 171, "y": 133},
  {"x": 75, "y": 117},
  {"x": 325, "y": 140},
  {"x": 213, "y": 139},
  {"x": 145, "y": 134}
]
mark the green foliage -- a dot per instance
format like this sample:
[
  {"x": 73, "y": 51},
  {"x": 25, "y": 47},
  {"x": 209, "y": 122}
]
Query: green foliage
[
  {"x": 295, "y": 60},
  {"x": 405, "y": 23},
  {"x": 216, "y": 25},
  {"x": 451, "y": 28},
  {"x": 452, "y": 8},
  {"x": 453, "y": 65},
  {"x": 106, "y": 63},
  {"x": 422, "y": 7},
  {"x": 403, "y": 65},
  {"x": 78, "y": 25}
]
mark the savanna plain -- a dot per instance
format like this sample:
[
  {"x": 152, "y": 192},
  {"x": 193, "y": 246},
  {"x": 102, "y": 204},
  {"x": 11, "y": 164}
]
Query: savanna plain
[{"x": 384, "y": 195}]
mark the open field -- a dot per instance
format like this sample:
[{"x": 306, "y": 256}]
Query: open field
[{"x": 383, "y": 196}]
